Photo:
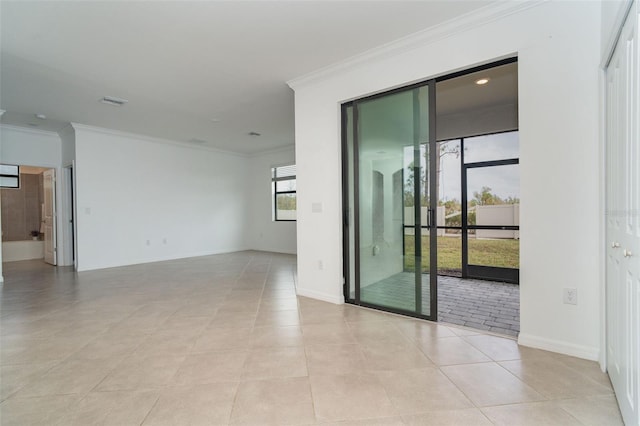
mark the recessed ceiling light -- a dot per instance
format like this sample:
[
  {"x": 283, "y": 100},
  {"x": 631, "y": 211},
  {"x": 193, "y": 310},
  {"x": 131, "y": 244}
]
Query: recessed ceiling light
[
  {"x": 254, "y": 134},
  {"x": 41, "y": 116},
  {"x": 112, "y": 100},
  {"x": 482, "y": 81}
]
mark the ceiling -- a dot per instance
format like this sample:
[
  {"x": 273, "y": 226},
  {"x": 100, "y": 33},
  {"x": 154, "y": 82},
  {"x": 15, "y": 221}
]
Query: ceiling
[
  {"x": 207, "y": 71},
  {"x": 462, "y": 94}
]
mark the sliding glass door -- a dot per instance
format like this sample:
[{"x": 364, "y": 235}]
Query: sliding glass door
[{"x": 389, "y": 213}]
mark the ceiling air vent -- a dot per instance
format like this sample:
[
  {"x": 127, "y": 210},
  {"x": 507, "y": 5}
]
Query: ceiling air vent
[{"x": 111, "y": 100}]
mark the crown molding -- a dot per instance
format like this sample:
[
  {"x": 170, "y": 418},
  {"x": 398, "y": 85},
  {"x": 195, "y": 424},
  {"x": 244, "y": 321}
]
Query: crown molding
[
  {"x": 119, "y": 133},
  {"x": 461, "y": 24},
  {"x": 29, "y": 130},
  {"x": 278, "y": 150}
]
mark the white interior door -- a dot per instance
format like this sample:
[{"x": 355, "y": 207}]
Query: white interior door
[
  {"x": 49, "y": 218},
  {"x": 623, "y": 221}
]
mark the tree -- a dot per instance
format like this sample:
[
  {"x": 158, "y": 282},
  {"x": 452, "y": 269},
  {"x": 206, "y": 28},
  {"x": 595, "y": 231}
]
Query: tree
[
  {"x": 485, "y": 198},
  {"x": 286, "y": 202},
  {"x": 409, "y": 187},
  {"x": 444, "y": 149}
]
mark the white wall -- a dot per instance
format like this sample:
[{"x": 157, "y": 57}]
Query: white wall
[
  {"x": 29, "y": 147},
  {"x": 558, "y": 62},
  {"x": 132, "y": 189},
  {"x": 68, "y": 145},
  {"x": 262, "y": 232}
]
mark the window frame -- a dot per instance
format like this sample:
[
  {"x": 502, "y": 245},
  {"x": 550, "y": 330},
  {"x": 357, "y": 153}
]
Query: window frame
[
  {"x": 274, "y": 188},
  {"x": 16, "y": 175}
]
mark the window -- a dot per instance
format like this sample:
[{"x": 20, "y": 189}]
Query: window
[
  {"x": 283, "y": 188},
  {"x": 9, "y": 176}
]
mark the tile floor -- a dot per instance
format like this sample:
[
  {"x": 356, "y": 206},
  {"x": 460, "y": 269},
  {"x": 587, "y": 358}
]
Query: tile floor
[{"x": 224, "y": 340}]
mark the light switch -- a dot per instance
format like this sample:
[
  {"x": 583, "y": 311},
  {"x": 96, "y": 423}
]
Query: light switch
[{"x": 316, "y": 207}]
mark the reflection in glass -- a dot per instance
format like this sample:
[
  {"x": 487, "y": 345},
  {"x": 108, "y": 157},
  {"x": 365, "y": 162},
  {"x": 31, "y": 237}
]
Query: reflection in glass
[{"x": 392, "y": 162}]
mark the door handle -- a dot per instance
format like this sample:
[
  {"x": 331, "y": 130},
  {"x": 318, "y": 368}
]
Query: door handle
[{"x": 429, "y": 218}]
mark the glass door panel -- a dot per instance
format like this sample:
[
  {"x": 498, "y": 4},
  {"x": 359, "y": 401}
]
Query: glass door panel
[{"x": 392, "y": 199}]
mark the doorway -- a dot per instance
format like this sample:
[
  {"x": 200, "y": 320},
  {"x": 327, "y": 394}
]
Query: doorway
[
  {"x": 28, "y": 216},
  {"x": 622, "y": 218},
  {"x": 430, "y": 192},
  {"x": 387, "y": 140}
]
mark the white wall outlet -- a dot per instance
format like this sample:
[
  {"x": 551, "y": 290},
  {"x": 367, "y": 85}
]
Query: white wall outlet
[
  {"x": 148, "y": 242},
  {"x": 320, "y": 265},
  {"x": 570, "y": 296},
  {"x": 164, "y": 241}
]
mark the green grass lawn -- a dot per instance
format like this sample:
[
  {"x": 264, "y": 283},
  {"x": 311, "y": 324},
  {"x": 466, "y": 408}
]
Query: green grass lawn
[{"x": 499, "y": 253}]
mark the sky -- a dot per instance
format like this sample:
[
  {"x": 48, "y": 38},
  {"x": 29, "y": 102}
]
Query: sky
[{"x": 504, "y": 181}]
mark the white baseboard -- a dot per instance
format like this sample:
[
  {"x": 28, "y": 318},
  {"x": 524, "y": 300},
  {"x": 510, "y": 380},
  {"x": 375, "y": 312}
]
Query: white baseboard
[
  {"x": 305, "y": 292},
  {"x": 82, "y": 267},
  {"x": 586, "y": 352}
]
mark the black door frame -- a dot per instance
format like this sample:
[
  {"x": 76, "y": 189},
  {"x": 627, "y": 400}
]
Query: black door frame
[
  {"x": 432, "y": 225},
  {"x": 492, "y": 273}
]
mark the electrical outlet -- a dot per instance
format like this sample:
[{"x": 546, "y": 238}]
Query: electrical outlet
[
  {"x": 320, "y": 265},
  {"x": 570, "y": 296},
  {"x": 148, "y": 242},
  {"x": 164, "y": 241}
]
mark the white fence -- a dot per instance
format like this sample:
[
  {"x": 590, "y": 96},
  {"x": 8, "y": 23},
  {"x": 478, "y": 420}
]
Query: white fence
[{"x": 498, "y": 215}]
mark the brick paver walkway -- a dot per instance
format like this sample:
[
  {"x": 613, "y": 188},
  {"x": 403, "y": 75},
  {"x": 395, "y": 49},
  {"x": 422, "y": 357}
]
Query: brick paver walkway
[{"x": 483, "y": 305}]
